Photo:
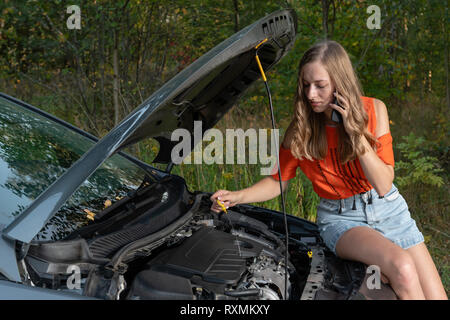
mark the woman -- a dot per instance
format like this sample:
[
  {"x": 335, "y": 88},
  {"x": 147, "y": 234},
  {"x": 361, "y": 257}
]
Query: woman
[{"x": 361, "y": 216}]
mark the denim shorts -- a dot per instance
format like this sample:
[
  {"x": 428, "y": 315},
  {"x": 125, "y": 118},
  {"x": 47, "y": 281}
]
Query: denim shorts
[{"x": 389, "y": 215}]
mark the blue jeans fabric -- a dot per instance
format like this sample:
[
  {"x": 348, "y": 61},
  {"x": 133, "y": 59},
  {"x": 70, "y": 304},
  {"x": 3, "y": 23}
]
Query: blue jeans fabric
[{"x": 388, "y": 215}]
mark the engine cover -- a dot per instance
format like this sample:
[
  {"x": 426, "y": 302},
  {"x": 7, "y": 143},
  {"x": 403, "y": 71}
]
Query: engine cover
[{"x": 213, "y": 255}]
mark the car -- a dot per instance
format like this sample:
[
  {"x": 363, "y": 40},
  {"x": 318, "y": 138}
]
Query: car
[{"x": 81, "y": 219}]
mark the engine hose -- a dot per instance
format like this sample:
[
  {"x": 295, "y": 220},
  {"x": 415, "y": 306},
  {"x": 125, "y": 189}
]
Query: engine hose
[
  {"x": 279, "y": 169},
  {"x": 244, "y": 293}
]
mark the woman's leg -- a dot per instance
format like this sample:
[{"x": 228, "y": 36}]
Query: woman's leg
[
  {"x": 372, "y": 248},
  {"x": 430, "y": 280}
]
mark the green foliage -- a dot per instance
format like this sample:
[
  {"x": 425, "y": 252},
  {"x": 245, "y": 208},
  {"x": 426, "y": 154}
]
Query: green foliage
[
  {"x": 156, "y": 39},
  {"x": 417, "y": 168}
]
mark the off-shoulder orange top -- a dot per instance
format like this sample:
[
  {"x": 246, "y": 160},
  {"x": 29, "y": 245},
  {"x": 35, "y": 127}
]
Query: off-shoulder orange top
[{"x": 330, "y": 178}]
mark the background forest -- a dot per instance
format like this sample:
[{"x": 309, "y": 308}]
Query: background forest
[{"x": 94, "y": 76}]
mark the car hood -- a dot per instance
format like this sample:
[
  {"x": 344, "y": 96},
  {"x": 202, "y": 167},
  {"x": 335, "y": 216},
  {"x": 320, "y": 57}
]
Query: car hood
[{"x": 203, "y": 91}]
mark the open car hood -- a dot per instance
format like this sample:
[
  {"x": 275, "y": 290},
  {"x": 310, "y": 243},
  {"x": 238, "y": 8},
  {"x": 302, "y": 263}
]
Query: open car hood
[{"x": 203, "y": 91}]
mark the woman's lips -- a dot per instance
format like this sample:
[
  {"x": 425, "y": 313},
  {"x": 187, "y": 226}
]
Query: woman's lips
[{"x": 315, "y": 104}]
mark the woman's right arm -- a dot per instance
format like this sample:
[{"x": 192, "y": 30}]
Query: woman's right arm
[{"x": 265, "y": 189}]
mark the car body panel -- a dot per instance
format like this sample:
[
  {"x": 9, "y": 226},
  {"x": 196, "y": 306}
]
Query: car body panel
[
  {"x": 15, "y": 291},
  {"x": 8, "y": 262}
]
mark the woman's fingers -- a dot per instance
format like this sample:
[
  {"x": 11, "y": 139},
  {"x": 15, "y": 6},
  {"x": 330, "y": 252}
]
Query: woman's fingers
[
  {"x": 338, "y": 109},
  {"x": 225, "y": 197},
  {"x": 216, "y": 207},
  {"x": 342, "y": 108},
  {"x": 341, "y": 100},
  {"x": 218, "y": 194}
]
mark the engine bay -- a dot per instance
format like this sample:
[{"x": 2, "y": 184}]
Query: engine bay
[
  {"x": 163, "y": 242},
  {"x": 210, "y": 258},
  {"x": 211, "y": 264}
]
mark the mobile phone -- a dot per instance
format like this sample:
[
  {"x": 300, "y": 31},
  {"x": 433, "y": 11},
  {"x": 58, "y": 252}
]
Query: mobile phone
[{"x": 335, "y": 115}]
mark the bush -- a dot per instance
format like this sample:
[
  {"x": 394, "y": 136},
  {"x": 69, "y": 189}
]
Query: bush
[{"x": 416, "y": 168}]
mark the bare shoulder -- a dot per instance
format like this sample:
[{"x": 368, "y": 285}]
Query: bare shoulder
[
  {"x": 382, "y": 118},
  {"x": 289, "y": 134}
]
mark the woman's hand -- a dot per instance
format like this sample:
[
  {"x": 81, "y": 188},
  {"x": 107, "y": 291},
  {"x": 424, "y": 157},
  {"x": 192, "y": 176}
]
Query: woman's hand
[
  {"x": 265, "y": 189},
  {"x": 228, "y": 198},
  {"x": 342, "y": 109}
]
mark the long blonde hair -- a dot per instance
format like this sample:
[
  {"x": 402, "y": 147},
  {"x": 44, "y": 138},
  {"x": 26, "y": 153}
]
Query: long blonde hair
[{"x": 309, "y": 138}]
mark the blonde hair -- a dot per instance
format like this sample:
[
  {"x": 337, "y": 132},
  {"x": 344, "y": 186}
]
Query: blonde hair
[{"x": 309, "y": 139}]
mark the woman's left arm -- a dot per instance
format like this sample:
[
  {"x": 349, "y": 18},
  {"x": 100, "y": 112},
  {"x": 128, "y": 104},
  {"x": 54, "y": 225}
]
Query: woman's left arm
[{"x": 379, "y": 174}]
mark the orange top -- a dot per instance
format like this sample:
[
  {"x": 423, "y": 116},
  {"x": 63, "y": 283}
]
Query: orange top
[{"x": 331, "y": 179}]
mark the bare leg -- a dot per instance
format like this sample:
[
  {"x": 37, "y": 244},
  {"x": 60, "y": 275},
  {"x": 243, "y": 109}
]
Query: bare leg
[
  {"x": 372, "y": 248},
  {"x": 430, "y": 280}
]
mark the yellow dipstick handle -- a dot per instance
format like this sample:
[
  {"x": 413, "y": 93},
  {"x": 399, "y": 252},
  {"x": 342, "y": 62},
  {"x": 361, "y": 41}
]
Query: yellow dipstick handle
[
  {"x": 222, "y": 205},
  {"x": 310, "y": 254},
  {"x": 259, "y": 62},
  {"x": 261, "y": 69},
  {"x": 259, "y": 44}
]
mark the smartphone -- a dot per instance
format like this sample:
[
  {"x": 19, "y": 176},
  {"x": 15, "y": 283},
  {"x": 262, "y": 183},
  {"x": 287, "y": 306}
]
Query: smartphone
[{"x": 335, "y": 115}]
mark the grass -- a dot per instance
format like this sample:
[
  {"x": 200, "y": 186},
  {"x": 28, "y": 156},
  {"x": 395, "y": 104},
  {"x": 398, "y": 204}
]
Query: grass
[
  {"x": 429, "y": 208},
  {"x": 429, "y": 205}
]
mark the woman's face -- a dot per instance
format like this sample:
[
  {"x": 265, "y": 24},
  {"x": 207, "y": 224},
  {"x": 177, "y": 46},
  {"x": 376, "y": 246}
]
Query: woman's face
[{"x": 318, "y": 87}]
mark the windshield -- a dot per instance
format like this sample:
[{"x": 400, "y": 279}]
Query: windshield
[{"x": 35, "y": 151}]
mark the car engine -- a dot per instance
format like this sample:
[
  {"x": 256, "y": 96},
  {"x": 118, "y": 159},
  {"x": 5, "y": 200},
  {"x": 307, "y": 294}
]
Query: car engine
[
  {"x": 193, "y": 253},
  {"x": 213, "y": 264}
]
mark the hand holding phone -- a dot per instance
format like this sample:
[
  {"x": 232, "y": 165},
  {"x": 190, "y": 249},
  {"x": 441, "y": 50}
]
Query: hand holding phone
[{"x": 335, "y": 115}]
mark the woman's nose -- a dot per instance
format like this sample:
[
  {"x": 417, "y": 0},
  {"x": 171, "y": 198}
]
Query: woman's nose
[{"x": 311, "y": 92}]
